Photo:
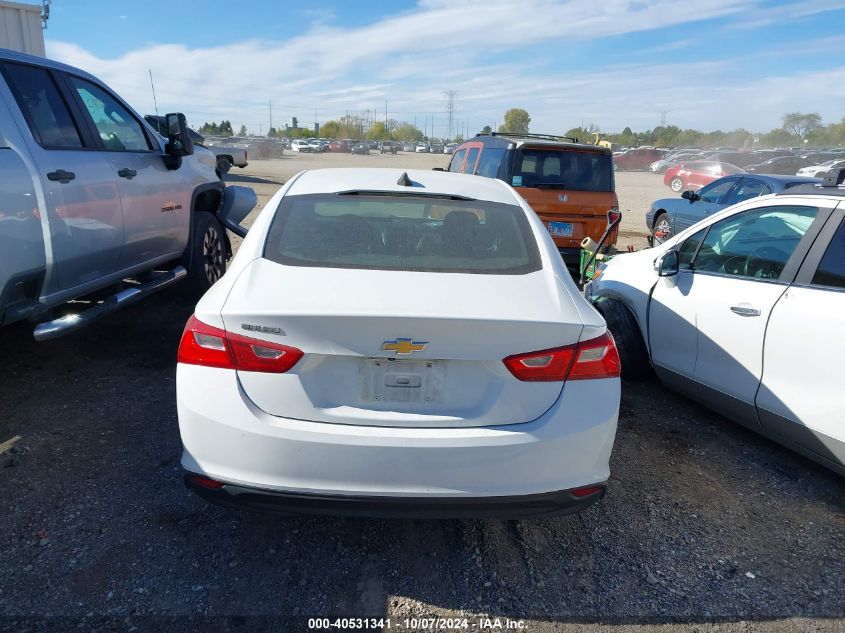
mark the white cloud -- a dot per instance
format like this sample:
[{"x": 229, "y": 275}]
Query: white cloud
[{"x": 409, "y": 59}]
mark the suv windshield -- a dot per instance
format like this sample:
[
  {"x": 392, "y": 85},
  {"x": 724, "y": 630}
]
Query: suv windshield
[
  {"x": 407, "y": 232},
  {"x": 563, "y": 169}
]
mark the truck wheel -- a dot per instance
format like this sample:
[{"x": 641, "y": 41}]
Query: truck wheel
[
  {"x": 629, "y": 340},
  {"x": 224, "y": 164},
  {"x": 208, "y": 252}
]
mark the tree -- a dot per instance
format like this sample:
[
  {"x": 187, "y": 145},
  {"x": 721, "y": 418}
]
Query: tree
[
  {"x": 242, "y": 131},
  {"x": 407, "y": 132},
  {"x": 516, "y": 121},
  {"x": 330, "y": 129},
  {"x": 377, "y": 132},
  {"x": 778, "y": 137},
  {"x": 801, "y": 124},
  {"x": 486, "y": 129}
]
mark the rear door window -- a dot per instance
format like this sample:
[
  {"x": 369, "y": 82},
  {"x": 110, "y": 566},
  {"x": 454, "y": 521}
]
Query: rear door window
[
  {"x": 831, "y": 270},
  {"x": 563, "y": 169},
  {"x": 410, "y": 232},
  {"x": 43, "y": 107}
]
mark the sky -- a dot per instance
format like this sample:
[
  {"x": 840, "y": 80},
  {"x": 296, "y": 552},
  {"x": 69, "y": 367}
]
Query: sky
[{"x": 705, "y": 64}]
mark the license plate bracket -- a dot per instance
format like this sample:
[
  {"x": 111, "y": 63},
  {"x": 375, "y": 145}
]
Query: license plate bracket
[{"x": 397, "y": 381}]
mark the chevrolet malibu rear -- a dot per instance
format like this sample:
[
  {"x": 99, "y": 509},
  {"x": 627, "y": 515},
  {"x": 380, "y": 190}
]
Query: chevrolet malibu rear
[{"x": 391, "y": 343}]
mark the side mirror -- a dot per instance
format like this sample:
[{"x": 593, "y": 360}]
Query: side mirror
[
  {"x": 690, "y": 195},
  {"x": 668, "y": 265},
  {"x": 179, "y": 141},
  {"x": 237, "y": 203}
]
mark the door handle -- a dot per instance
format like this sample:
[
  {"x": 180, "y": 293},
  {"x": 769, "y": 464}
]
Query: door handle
[
  {"x": 745, "y": 311},
  {"x": 60, "y": 175},
  {"x": 127, "y": 173}
]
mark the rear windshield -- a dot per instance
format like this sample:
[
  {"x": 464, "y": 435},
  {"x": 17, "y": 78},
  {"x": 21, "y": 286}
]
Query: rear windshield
[
  {"x": 407, "y": 232},
  {"x": 563, "y": 169}
]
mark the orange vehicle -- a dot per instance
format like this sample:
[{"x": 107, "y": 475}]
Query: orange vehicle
[{"x": 569, "y": 185}]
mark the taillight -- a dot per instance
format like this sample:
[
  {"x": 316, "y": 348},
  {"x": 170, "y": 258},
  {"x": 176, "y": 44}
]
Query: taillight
[
  {"x": 206, "y": 345},
  {"x": 596, "y": 358},
  {"x": 613, "y": 215}
]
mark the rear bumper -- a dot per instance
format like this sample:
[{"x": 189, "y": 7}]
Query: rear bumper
[
  {"x": 548, "y": 504},
  {"x": 226, "y": 437}
]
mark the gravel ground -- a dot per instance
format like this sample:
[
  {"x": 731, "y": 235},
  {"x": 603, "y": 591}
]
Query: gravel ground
[{"x": 706, "y": 526}]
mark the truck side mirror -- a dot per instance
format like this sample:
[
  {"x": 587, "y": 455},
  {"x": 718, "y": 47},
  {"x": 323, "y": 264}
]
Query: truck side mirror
[
  {"x": 179, "y": 141},
  {"x": 668, "y": 265}
]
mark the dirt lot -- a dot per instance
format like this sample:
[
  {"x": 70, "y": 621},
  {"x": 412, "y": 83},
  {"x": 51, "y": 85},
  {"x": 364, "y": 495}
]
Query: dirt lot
[{"x": 704, "y": 522}]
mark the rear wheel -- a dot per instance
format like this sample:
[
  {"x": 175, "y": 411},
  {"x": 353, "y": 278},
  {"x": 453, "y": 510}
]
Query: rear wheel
[
  {"x": 676, "y": 184},
  {"x": 662, "y": 229},
  {"x": 208, "y": 252},
  {"x": 629, "y": 340}
]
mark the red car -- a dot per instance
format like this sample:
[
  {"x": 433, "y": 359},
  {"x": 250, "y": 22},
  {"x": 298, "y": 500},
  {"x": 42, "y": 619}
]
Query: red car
[
  {"x": 696, "y": 174},
  {"x": 338, "y": 146},
  {"x": 638, "y": 158}
]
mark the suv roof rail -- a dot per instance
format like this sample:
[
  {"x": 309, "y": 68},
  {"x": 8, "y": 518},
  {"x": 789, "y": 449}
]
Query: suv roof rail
[{"x": 545, "y": 137}]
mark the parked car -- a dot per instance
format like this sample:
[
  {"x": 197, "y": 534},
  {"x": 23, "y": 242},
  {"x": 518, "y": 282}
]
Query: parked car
[
  {"x": 414, "y": 391},
  {"x": 450, "y": 148},
  {"x": 361, "y": 147},
  {"x": 661, "y": 165},
  {"x": 91, "y": 197},
  {"x": 694, "y": 175},
  {"x": 409, "y": 147},
  {"x": 569, "y": 185},
  {"x": 303, "y": 146},
  {"x": 638, "y": 158},
  {"x": 388, "y": 147},
  {"x": 339, "y": 146},
  {"x": 737, "y": 158},
  {"x": 422, "y": 148},
  {"x": 739, "y": 310},
  {"x": 227, "y": 156},
  {"x": 669, "y": 216},
  {"x": 784, "y": 165},
  {"x": 815, "y": 171}
]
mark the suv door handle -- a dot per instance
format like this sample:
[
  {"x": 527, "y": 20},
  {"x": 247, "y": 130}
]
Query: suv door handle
[
  {"x": 60, "y": 175},
  {"x": 127, "y": 173},
  {"x": 746, "y": 311}
]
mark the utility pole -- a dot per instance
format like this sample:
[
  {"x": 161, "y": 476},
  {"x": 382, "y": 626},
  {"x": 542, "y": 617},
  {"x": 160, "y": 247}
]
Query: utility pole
[
  {"x": 152, "y": 85},
  {"x": 450, "y": 109},
  {"x": 271, "y": 116}
]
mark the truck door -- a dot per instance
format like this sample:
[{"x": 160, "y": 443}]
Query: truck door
[
  {"x": 155, "y": 200},
  {"x": 79, "y": 185}
]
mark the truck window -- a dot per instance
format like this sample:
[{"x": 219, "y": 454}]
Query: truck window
[
  {"x": 118, "y": 129},
  {"x": 43, "y": 107}
]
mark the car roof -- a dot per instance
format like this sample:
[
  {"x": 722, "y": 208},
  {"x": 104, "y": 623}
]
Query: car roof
[
  {"x": 15, "y": 56},
  {"x": 425, "y": 182},
  {"x": 831, "y": 185}
]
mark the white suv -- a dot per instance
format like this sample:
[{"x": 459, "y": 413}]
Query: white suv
[{"x": 743, "y": 311}]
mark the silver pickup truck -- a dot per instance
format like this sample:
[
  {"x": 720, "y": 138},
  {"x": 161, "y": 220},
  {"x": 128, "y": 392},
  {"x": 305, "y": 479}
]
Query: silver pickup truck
[{"x": 95, "y": 204}]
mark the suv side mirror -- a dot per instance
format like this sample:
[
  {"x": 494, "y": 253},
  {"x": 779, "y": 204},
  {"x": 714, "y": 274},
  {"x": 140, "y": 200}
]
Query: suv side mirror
[
  {"x": 692, "y": 196},
  {"x": 668, "y": 265},
  {"x": 179, "y": 141}
]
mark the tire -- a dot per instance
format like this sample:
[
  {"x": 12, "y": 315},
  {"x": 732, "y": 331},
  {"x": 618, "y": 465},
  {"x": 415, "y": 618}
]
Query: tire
[
  {"x": 661, "y": 226},
  {"x": 224, "y": 164},
  {"x": 676, "y": 184},
  {"x": 208, "y": 253},
  {"x": 629, "y": 341}
]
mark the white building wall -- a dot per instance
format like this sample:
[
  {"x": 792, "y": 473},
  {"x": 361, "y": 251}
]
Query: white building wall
[{"x": 20, "y": 27}]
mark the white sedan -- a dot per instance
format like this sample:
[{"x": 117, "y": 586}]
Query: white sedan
[
  {"x": 743, "y": 312},
  {"x": 391, "y": 343}
]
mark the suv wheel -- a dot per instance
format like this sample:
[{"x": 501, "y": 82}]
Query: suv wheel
[
  {"x": 629, "y": 341},
  {"x": 208, "y": 252}
]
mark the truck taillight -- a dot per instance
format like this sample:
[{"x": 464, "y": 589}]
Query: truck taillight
[
  {"x": 613, "y": 215},
  {"x": 596, "y": 358},
  {"x": 206, "y": 345}
]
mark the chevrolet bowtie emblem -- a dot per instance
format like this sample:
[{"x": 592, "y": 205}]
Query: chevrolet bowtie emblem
[{"x": 403, "y": 346}]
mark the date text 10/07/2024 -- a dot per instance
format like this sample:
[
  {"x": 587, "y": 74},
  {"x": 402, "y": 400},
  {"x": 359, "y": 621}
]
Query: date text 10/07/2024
[{"x": 417, "y": 624}]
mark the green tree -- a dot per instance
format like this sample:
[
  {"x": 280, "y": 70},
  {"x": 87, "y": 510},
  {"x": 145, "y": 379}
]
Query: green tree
[
  {"x": 486, "y": 129},
  {"x": 516, "y": 121},
  {"x": 407, "y": 132},
  {"x": 801, "y": 124},
  {"x": 377, "y": 132},
  {"x": 330, "y": 129},
  {"x": 242, "y": 131},
  {"x": 778, "y": 137}
]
